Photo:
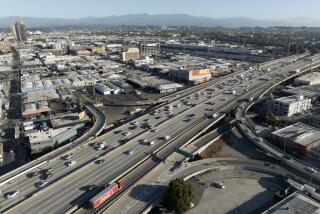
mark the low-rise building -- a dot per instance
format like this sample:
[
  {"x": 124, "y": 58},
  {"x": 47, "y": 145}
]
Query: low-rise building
[
  {"x": 47, "y": 140},
  {"x": 295, "y": 203},
  {"x": 130, "y": 54},
  {"x": 194, "y": 75},
  {"x": 165, "y": 88},
  {"x": 299, "y": 137},
  {"x": 34, "y": 109},
  {"x": 288, "y": 106},
  {"x": 308, "y": 79},
  {"x": 103, "y": 89},
  {"x": 149, "y": 49}
]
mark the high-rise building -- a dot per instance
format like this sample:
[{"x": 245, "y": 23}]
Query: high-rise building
[{"x": 19, "y": 30}]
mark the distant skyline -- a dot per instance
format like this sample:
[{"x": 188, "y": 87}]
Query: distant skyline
[{"x": 257, "y": 9}]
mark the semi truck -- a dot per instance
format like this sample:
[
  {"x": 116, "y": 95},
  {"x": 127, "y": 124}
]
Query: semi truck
[{"x": 99, "y": 199}]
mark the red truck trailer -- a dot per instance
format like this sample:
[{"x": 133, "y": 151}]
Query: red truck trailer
[{"x": 97, "y": 200}]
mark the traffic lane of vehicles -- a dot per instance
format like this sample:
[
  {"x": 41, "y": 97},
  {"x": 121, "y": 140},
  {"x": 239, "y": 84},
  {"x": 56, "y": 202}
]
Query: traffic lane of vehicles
[
  {"x": 103, "y": 170},
  {"x": 85, "y": 154}
]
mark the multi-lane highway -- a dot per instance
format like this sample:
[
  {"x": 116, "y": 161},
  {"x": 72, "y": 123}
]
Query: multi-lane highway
[
  {"x": 137, "y": 205},
  {"x": 68, "y": 185}
]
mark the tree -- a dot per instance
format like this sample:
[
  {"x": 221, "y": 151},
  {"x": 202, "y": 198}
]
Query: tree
[
  {"x": 179, "y": 196},
  {"x": 270, "y": 117}
]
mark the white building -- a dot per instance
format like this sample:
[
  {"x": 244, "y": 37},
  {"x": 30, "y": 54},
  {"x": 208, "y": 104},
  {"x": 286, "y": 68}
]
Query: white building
[
  {"x": 288, "y": 106},
  {"x": 146, "y": 61},
  {"x": 308, "y": 79},
  {"x": 103, "y": 89}
]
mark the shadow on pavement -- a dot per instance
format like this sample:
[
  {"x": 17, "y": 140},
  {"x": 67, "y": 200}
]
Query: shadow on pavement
[{"x": 143, "y": 192}]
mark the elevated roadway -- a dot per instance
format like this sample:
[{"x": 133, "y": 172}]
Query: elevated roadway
[{"x": 67, "y": 187}]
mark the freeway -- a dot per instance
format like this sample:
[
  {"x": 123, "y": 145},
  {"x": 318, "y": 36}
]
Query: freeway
[
  {"x": 138, "y": 205},
  {"x": 67, "y": 184}
]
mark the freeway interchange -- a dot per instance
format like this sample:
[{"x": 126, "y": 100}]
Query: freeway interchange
[{"x": 128, "y": 145}]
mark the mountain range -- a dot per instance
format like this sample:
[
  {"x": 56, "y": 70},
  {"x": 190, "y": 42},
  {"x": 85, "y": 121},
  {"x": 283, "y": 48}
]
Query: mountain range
[{"x": 159, "y": 20}]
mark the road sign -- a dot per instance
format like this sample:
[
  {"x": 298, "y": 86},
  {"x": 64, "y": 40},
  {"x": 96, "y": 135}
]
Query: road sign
[{"x": 184, "y": 153}]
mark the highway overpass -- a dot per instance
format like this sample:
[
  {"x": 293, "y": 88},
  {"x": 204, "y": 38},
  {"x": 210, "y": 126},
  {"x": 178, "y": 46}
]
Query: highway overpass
[{"x": 66, "y": 188}]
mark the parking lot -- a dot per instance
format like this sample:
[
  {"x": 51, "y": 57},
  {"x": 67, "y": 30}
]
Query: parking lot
[{"x": 243, "y": 192}]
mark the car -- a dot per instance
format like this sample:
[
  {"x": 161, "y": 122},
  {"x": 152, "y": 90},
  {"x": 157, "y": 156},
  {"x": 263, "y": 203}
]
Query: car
[
  {"x": 134, "y": 123},
  {"x": 33, "y": 174},
  {"x": 42, "y": 183},
  {"x": 127, "y": 133},
  {"x": 91, "y": 187},
  {"x": 100, "y": 146},
  {"x": 117, "y": 131},
  {"x": 68, "y": 157},
  {"x": 218, "y": 184},
  {"x": 12, "y": 194},
  {"x": 259, "y": 139},
  {"x": 154, "y": 130},
  {"x": 287, "y": 157},
  {"x": 99, "y": 161},
  {"x": 167, "y": 137},
  {"x": 312, "y": 170},
  {"x": 46, "y": 176},
  {"x": 49, "y": 171},
  {"x": 187, "y": 120},
  {"x": 71, "y": 163},
  {"x": 151, "y": 143},
  {"x": 130, "y": 152}
]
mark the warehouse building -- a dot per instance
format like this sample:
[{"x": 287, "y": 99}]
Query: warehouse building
[
  {"x": 193, "y": 75},
  {"x": 103, "y": 89},
  {"x": 299, "y": 137},
  {"x": 166, "y": 88},
  {"x": 295, "y": 203},
  {"x": 308, "y": 79},
  {"x": 34, "y": 109},
  {"x": 47, "y": 140},
  {"x": 288, "y": 106}
]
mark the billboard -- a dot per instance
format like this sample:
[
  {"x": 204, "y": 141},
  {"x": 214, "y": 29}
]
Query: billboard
[
  {"x": 81, "y": 115},
  {"x": 200, "y": 72}
]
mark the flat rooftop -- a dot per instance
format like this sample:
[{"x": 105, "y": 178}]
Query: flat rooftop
[
  {"x": 291, "y": 99},
  {"x": 296, "y": 203},
  {"x": 309, "y": 77},
  {"x": 299, "y": 133}
]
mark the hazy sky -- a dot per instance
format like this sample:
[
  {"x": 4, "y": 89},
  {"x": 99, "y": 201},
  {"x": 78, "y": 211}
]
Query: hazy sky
[{"x": 261, "y": 9}]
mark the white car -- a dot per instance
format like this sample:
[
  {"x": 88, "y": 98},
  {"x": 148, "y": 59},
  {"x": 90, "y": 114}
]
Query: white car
[
  {"x": 312, "y": 170},
  {"x": 151, "y": 143},
  {"x": 154, "y": 130},
  {"x": 71, "y": 163},
  {"x": 130, "y": 152},
  {"x": 259, "y": 139},
  {"x": 13, "y": 194},
  {"x": 127, "y": 133},
  {"x": 219, "y": 184},
  {"x": 167, "y": 137},
  {"x": 100, "y": 146}
]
